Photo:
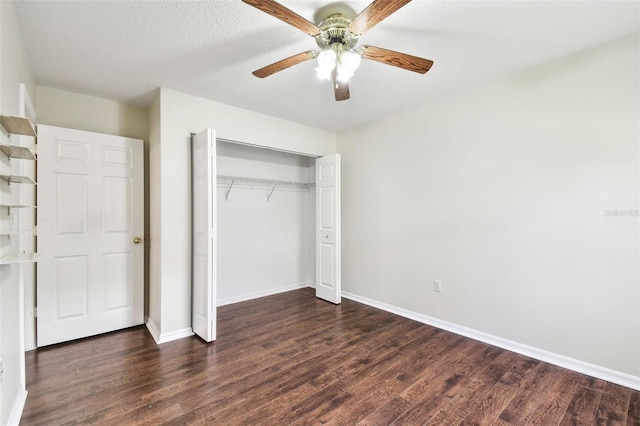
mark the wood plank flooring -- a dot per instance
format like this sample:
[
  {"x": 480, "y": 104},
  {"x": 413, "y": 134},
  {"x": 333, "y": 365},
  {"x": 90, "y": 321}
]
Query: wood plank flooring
[{"x": 292, "y": 359}]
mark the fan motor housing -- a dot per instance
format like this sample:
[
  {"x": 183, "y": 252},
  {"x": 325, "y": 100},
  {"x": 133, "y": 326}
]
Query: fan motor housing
[{"x": 335, "y": 29}]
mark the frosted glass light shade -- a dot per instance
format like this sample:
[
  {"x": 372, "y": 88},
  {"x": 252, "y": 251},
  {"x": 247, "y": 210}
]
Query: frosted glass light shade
[
  {"x": 326, "y": 63},
  {"x": 348, "y": 63}
]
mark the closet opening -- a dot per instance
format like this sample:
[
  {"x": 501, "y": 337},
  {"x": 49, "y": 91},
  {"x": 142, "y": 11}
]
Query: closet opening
[{"x": 266, "y": 220}]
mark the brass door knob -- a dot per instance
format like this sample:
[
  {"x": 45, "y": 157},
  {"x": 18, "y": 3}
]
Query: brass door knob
[{"x": 137, "y": 240}]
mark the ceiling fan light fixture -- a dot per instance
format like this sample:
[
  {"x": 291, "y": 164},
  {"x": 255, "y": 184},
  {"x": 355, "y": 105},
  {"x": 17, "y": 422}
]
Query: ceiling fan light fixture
[
  {"x": 337, "y": 37},
  {"x": 345, "y": 62},
  {"x": 348, "y": 63},
  {"x": 327, "y": 60}
]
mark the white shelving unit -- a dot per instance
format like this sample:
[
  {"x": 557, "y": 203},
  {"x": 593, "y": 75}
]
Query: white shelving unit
[{"x": 17, "y": 126}]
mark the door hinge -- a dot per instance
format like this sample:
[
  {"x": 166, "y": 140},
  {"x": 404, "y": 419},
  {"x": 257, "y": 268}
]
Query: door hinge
[{"x": 34, "y": 312}]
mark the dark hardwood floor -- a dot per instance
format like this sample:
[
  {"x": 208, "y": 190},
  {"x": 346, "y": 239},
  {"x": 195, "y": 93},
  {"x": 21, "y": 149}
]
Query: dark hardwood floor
[{"x": 293, "y": 359}]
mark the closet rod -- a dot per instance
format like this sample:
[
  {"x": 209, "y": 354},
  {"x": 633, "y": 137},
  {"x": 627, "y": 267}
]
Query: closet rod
[{"x": 269, "y": 182}]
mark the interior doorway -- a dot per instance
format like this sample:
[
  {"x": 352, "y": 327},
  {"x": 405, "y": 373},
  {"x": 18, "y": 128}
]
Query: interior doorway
[{"x": 274, "y": 231}]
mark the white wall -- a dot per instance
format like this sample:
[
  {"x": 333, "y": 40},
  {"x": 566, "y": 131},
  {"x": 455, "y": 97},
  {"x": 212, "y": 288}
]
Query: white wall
[
  {"x": 179, "y": 115},
  {"x": 62, "y": 108},
  {"x": 14, "y": 69},
  {"x": 502, "y": 192},
  {"x": 263, "y": 247}
]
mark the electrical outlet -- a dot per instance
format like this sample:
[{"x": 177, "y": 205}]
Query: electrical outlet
[{"x": 437, "y": 285}]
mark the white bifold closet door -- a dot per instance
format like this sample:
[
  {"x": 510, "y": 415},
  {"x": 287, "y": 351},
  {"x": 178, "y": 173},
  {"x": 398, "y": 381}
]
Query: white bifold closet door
[
  {"x": 328, "y": 227},
  {"x": 203, "y": 293}
]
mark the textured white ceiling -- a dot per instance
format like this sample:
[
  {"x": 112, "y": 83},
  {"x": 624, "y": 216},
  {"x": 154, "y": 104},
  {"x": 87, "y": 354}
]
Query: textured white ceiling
[{"x": 123, "y": 50}]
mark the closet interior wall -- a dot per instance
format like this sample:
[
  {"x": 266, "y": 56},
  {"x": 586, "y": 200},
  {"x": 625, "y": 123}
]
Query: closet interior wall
[{"x": 266, "y": 235}]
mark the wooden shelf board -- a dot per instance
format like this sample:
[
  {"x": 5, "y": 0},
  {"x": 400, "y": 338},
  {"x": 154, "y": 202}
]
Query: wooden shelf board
[
  {"x": 18, "y": 125},
  {"x": 18, "y": 179},
  {"x": 18, "y": 258},
  {"x": 18, "y": 206},
  {"x": 16, "y": 151},
  {"x": 19, "y": 231}
]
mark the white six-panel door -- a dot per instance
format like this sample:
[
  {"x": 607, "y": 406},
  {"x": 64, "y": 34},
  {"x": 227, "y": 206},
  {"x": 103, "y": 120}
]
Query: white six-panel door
[
  {"x": 203, "y": 292},
  {"x": 328, "y": 246},
  {"x": 90, "y": 234}
]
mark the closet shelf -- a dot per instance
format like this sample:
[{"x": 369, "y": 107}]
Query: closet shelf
[
  {"x": 247, "y": 181},
  {"x": 17, "y": 151},
  {"x": 18, "y": 179},
  {"x": 271, "y": 184},
  {"x": 18, "y": 258},
  {"x": 18, "y": 125}
]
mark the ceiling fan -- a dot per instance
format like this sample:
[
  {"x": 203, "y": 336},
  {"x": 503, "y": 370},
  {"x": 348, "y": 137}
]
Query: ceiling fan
[{"x": 337, "y": 37}]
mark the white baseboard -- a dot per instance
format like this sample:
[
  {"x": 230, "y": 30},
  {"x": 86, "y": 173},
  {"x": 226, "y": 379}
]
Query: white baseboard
[
  {"x": 263, "y": 293},
  {"x": 153, "y": 329},
  {"x": 175, "y": 335},
  {"x": 17, "y": 407},
  {"x": 161, "y": 338},
  {"x": 592, "y": 370}
]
